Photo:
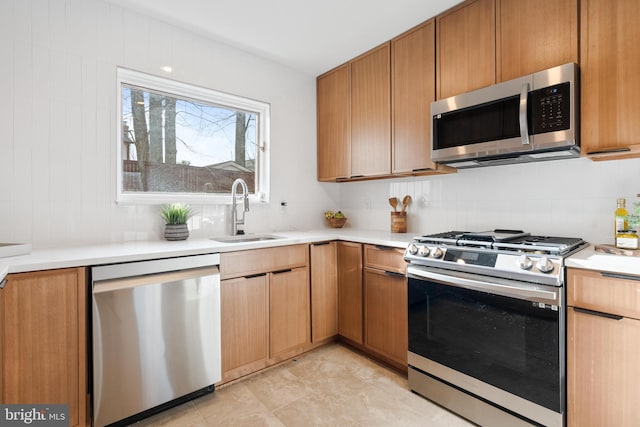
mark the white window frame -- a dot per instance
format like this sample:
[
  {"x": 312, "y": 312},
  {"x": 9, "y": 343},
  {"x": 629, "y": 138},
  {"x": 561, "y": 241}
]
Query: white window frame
[{"x": 183, "y": 90}]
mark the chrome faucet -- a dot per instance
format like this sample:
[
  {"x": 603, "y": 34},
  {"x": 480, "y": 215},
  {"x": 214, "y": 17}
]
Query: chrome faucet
[{"x": 237, "y": 225}]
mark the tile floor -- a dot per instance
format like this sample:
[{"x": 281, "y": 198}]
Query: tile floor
[{"x": 331, "y": 386}]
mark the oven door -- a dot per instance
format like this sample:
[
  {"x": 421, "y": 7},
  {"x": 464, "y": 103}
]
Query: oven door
[{"x": 495, "y": 338}]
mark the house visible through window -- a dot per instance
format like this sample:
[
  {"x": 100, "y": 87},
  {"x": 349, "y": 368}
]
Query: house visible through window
[{"x": 182, "y": 142}]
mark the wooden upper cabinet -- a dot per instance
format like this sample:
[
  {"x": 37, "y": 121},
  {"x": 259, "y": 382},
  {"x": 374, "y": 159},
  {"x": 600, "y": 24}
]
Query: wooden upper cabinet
[
  {"x": 413, "y": 89},
  {"x": 533, "y": 35},
  {"x": 371, "y": 113},
  {"x": 610, "y": 87},
  {"x": 466, "y": 48},
  {"x": 334, "y": 131}
]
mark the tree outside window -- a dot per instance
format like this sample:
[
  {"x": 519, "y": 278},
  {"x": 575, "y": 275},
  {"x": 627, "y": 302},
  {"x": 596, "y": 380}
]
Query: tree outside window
[{"x": 174, "y": 144}]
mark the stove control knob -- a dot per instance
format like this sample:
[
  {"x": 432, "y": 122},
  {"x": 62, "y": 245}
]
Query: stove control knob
[
  {"x": 544, "y": 265},
  {"x": 436, "y": 253},
  {"x": 413, "y": 249},
  {"x": 525, "y": 262},
  {"x": 423, "y": 251}
]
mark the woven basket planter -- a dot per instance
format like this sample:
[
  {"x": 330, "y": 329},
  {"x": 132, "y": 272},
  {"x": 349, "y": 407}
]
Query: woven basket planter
[{"x": 176, "y": 232}]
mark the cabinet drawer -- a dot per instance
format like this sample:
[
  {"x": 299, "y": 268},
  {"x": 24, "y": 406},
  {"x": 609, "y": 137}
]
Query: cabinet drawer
[
  {"x": 256, "y": 261},
  {"x": 384, "y": 258},
  {"x": 605, "y": 292}
]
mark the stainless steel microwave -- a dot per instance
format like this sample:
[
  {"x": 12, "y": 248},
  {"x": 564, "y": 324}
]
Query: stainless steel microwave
[{"x": 531, "y": 118}]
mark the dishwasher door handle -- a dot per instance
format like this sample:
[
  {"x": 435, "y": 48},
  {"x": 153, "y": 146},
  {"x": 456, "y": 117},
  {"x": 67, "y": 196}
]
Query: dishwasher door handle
[{"x": 134, "y": 282}]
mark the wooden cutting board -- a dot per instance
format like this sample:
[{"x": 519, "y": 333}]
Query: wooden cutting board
[{"x": 611, "y": 249}]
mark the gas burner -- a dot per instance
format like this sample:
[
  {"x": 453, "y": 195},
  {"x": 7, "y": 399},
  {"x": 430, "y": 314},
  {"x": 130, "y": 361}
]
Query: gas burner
[{"x": 512, "y": 254}]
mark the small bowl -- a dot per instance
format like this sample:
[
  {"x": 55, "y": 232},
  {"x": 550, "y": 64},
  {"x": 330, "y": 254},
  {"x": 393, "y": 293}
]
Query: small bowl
[{"x": 337, "y": 222}]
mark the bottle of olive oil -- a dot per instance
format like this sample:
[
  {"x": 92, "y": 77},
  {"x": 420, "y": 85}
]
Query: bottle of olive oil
[{"x": 620, "y": 223}]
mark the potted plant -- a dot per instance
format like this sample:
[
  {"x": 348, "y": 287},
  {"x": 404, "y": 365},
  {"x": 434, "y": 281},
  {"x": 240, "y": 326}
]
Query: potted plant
[{"x": 175, "y": 216}]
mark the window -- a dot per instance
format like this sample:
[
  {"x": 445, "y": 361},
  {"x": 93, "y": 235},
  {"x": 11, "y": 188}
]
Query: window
[{"x": 178, "y": 142}]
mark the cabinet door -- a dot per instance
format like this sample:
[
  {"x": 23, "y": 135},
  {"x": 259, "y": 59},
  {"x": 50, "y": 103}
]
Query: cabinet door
[
  {"x": 371, "y": 113},
  {"x": 289, "y": 323},
  {"x": 466, "y": 53},
  {"x": 610, "y": 65},
  {"x": 2, "y": 322},
  {"x": 324, "y": 291},
  {"x": 334, "y": 131},
  {"x": 533, "y": 35},
  {"x": 257, "y": 261},
  {"x": 350, "y": 291},
  {"x": 602, "y": 370},
  {"x": 245, "y": 325},
  {"x": 45, "y": 340},
  {"x": 385, "y": 314},
  {"x": 413, "y": 90}
]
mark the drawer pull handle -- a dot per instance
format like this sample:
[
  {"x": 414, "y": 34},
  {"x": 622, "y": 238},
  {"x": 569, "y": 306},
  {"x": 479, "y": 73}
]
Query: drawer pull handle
[
  {"x": 621, "y": 276},
  {"x": 597, "y": 313},
  {"x": 3, "y": 283},
  {"x": 394, "y": 274},
  {"x": 609, "y": 151},
  {"x": 320, "y": 243},
  {"x": 288, "y": 270},
  {"x": 253, "y": 276},
  {"x": 384, "y": 248}
]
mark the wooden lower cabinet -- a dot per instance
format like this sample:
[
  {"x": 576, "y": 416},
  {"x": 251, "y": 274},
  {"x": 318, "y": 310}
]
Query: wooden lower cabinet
[
  {"x": 265, "y": 308},
  {"x": 385, "y": 315},
  {"x": 324, "y": 291},
  {"x": 603, "y": 370},
  {"x": 289, "y": 320},
  {"x": 245, "y": 325},
  {"x": 603, "y": 343},
  {"x": 350, "y": 291},
  {"x": 44, "y": 331}
]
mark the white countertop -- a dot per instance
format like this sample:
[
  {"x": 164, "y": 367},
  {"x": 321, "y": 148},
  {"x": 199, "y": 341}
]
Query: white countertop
[
  {"x": 89, "y": 255},
  {"x": 589, "y": 259},
  {"x": 47, "y": 259}
]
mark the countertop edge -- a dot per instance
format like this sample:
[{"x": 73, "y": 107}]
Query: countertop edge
[
  {"x": 590, "y": 259},
  {"x": 110, "y": 253}
]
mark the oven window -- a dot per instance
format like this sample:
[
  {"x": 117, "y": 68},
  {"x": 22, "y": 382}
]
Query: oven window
[
  {"x": 492, "y": 121},
  {"x": 509, "y": 343}
]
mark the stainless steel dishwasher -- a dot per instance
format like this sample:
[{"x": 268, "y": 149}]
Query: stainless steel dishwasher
[{"x": 156, "y": 335}]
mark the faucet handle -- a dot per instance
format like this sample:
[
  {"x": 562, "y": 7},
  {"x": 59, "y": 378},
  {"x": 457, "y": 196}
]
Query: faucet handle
[{"x": 246, "y": 202}]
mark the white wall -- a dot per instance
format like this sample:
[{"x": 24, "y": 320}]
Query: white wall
[
  {"x": 573, "y": 198},
  {"x": 58, "y": 136},
  {"x": 58, "y": 123}
]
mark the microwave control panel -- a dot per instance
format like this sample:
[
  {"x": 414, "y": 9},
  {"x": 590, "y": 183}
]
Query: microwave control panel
[{"x": 550, "y": 108}]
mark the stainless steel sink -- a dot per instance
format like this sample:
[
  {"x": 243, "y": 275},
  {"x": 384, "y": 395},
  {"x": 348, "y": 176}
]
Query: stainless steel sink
[{"x": 245, "y": 238}]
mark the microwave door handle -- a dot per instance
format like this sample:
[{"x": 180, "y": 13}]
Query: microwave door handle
[{"x": 524, "y": 127}]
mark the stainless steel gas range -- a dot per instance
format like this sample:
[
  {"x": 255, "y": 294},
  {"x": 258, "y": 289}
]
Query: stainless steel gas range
[{"x": 487, "y": 324}]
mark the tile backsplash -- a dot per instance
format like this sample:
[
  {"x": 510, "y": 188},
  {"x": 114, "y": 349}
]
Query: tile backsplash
[{"x": 574, "y": 198}]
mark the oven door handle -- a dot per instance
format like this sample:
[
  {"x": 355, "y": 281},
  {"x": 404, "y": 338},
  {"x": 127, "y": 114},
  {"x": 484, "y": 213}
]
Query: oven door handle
[{"x": 497, "y": 286}]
